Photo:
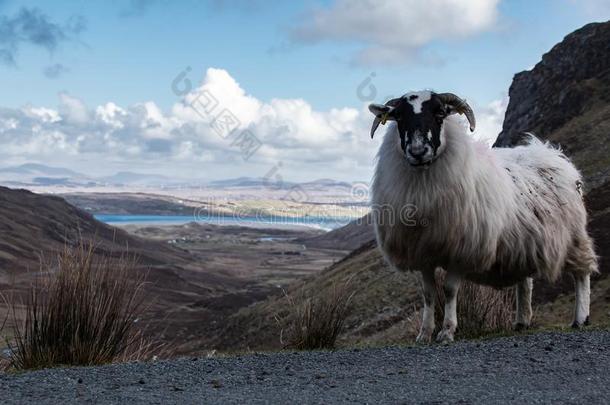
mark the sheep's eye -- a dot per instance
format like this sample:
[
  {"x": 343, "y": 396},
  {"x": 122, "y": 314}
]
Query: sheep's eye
[{"x": 439, "y": 117}]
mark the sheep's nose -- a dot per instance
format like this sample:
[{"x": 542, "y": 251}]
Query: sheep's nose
[{"x": 416, "y": 151}]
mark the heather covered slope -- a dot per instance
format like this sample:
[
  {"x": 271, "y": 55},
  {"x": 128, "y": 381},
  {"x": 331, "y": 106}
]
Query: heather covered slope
[
  {"x": 383, "y": 305},
  {"x": 348, "y": 237},
  {"x": 34, "y": 228}
]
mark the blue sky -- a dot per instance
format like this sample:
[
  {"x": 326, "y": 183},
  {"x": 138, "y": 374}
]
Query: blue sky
[{"x": 128, "y": 52}]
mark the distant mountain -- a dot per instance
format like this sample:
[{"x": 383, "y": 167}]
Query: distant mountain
[
  {"x": 245, "y": 182},
  {"x": 327, "y": 183},
  {"x": 262, "y": 182},
  {"x": 51, "y": 181},
  {"x": 132, "y": 178},
  {"x": 40, "y": 169},
  {"x": 34, "y": 174}
]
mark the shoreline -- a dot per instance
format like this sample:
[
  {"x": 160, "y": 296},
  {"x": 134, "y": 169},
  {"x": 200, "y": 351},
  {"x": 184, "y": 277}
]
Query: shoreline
[{"x": 286, "y": 223}]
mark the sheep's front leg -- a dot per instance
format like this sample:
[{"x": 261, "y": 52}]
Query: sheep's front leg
[
  {"x": 451, "y": 287},
  {"x": 583, "y": 300},
  {"x": 429, "y": 292},
  {"x": 524, "y": 304}
]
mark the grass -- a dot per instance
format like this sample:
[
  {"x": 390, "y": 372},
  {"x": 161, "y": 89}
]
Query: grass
[
  {"x": 315, "y": 322},
  {"x": 481, "y": 310},
  {"x": 82, "y": 311}
]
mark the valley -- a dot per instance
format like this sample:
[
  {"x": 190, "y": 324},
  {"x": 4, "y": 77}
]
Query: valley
[{"x": 197, "y": 274}]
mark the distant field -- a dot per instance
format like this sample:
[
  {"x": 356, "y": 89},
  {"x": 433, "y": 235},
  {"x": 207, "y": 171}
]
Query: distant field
[{"x": 319, "y": 210}]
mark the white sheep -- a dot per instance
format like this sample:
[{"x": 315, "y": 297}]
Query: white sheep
[{"x": 493, "y": 216}]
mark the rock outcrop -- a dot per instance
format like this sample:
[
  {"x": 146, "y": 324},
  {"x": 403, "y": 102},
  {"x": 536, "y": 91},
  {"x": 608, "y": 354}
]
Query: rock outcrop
[{"x": 565, "y": 99}]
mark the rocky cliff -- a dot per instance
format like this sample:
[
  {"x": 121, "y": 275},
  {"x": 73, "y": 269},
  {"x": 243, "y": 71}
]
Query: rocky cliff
[{"x": 565, "y": 98}]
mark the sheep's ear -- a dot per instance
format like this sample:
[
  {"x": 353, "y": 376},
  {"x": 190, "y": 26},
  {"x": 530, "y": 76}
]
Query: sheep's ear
[
  {"x": 379, "y": 109},
  {"x": 382, "y": 114}
]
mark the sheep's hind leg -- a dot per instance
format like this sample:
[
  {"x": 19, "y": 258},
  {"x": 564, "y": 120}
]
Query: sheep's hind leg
[
  {"x": 581, "y": 262},
  {"x": 524, "y": 304},
  {"x": 451, "y": 287},
  {"x": 429, "y": 292},
  {"x": 583, "y": 300}
]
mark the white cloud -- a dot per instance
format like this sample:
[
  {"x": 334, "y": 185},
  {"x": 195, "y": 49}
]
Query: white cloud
[
  {"x": 310, "y": 143},
  {"x": 73, "y": 109},
  {"x": 42, "y": 113},
  {"x": 490, "y": 119},
  {"x": 393, "y": 31},
  {"x": 181, "y": 142},
  {"x": 111, "y": 114}
]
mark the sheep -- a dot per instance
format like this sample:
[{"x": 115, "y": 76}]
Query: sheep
[{"x": 496, "y": 217}]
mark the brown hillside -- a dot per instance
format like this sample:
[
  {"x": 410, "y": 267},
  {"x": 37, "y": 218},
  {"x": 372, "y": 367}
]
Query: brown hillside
[
  {"x": 349, "y": 237},
  {"x": 383, "y": 304},
  {"x": 34, "y": 228}
]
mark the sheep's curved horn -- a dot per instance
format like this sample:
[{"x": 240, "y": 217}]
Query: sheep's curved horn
[
  {"x": 460, "y": 106},
  {"x": 376, "y": 123},
  {"x": 382, "y": 113}
]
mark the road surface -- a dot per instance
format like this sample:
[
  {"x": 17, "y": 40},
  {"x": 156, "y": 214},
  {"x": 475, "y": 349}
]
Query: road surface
[{"x": 543, "y": 368}]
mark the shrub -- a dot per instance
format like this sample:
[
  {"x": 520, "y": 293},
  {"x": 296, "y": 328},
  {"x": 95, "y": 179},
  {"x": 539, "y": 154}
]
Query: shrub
[
  {"x": 315, "y": 322},
  {"x": 80, "y": 312},
  {"x": 481, "y": 310}
]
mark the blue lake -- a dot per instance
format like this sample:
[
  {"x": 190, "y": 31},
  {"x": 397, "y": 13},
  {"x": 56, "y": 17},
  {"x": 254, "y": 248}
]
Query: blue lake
[{"x": 326, "y": 223}]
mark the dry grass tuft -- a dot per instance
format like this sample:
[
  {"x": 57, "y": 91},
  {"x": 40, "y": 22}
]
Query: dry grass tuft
[
  {"x": 315, "y": 322},
  {"x": 81, "y": 312},
  {"x": 481, "y": 310}
]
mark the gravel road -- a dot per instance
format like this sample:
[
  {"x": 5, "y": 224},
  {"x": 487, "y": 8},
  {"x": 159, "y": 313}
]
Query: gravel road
[{"x": 543, "y": 368}]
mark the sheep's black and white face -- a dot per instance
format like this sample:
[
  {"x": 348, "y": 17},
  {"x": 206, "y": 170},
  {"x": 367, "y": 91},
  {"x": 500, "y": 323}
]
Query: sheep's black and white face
[{"x": 419, "y": 119}]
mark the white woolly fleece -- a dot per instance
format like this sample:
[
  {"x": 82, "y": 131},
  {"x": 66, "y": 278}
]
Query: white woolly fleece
[{"x": 493, "y": 215}]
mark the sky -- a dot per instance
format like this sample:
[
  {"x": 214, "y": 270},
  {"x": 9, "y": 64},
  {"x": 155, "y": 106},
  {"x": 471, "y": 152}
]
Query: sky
[{"x": 216, "y": 89}]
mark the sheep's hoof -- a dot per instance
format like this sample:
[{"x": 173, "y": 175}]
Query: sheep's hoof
[
  {"x": 445, "y": 336},
  {"x": 424, "y": 338},
  {"x": 520, "y": 326},
  {"x": 577, "y": 325}
]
